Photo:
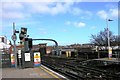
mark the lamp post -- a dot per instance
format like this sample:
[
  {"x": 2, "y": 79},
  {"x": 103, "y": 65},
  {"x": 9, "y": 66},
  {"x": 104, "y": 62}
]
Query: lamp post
[{"x": 109, "y": 48}]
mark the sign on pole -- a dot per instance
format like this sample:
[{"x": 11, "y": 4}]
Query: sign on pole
[
  {"x": 12, "y": 60},
  {"x": 14, "y": 37},
  {"x": 110, "y": 52},
  {"x": 19, "y": 53}
]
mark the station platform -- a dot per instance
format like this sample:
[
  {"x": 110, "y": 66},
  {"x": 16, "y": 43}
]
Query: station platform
[{"x": 37, "y": 73}]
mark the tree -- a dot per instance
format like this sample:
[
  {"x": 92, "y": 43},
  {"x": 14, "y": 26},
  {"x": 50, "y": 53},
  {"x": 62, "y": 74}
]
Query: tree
[
  {"x": 101, "y": 39},
  {"x": 116, "y": 40}
]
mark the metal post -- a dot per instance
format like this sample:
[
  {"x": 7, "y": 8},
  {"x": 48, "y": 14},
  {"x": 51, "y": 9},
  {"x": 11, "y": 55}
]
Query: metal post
[
  {"x": 20, "y": 56},
  {"x": 97, "y": 50},
  {"x": 108, "y": 38},
  {"x": 109, "y": 48},
  {"x": 108, "y": 33},
  {"x": 14, "y": 40}
]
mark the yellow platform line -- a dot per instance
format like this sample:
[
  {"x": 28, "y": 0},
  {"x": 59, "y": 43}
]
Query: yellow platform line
[{"x": 51, "y": 73}]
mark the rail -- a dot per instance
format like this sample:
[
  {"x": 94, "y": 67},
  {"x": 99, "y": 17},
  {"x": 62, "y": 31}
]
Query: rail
[{"x": 73, "y": 70}]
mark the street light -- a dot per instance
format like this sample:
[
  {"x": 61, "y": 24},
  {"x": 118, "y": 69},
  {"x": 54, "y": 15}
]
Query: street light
[{"x": 109, "y": 48}]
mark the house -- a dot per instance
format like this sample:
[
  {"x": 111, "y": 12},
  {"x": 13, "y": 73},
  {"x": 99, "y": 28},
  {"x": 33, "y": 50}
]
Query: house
[{"x": 4, "y": 44}]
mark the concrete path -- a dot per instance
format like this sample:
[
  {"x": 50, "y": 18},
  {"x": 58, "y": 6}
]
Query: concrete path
[{"x": 38, "y": 73}]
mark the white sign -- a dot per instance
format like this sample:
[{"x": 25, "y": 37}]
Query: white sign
[
  {"x": 37, "y": 57},
  {"x": 110, "y": 52},
  {"x": 19, "y": 53},
  {"x": 27, "y": 56}
]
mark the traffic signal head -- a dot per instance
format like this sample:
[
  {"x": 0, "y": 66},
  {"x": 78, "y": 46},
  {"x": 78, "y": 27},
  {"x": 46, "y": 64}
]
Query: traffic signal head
[
  {"x": 28, "y": 44},
  {"x": 24, "y": 30},
  {"x": 23, "y": 33},
  {"x": 21, "y": 36}
]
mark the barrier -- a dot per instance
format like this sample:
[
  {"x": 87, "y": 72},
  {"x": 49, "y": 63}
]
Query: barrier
[{"x": 5, "y": 61}]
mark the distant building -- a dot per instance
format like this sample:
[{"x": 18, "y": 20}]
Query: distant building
[
  {"x": 3, "y": 39},
  {"x": 75, "y": 45},
  {"x": 38, "y": 47},
  {"x": 4, "y": 44},
  {"x": 49, "y": 49}
]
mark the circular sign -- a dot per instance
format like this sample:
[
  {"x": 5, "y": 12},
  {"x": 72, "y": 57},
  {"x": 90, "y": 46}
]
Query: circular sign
[{"x": 14, "y": 37}]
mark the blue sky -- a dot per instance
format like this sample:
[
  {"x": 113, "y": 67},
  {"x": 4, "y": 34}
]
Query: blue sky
[{"x": 66, "y": 22}]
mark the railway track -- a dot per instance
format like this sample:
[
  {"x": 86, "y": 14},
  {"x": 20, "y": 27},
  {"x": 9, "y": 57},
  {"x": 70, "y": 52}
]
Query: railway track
[{"x": 71, "y": 69}]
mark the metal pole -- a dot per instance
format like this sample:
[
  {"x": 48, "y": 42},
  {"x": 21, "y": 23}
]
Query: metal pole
[
  {"x": 109, "y": 48},
  {"x": 108, "y": 38},
  {"x": 19, "y": 55},
  {"x": 15, "y": 54},
  {"x": 108, "y": 33}
]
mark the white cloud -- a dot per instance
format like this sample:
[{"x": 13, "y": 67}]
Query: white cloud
[
  {"x": 60, "y": 0},
  {"x": 0, "y": 10},
  {"x": 79, "y": 24},
  {"x": 93, "y": 27},
  {"x": 13, "y": 10},
  {"x": 26, "y": 9},
  {"x": 29, "y": 0},
  {"x": 114, "y": 12},
  {"x": 76, "y": 24},
  {"x": 50, "y": 8},
  {"x": 12, "y": 6},
  {"x": 13, "y": 15},
  {"x": 88, "y": 13},
  {"x": 76, "y": 11},
  {"x": 59, "y": 9},
  {"x": 111, "y": 13},
  {"x": 38, "y": 8},
  {"x": 102, "y": 14},
  {"x": 67, "y": 22}
]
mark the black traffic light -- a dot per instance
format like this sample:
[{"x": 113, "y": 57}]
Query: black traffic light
[
  {"x": 22, "y": 34},
  {"x": 24, "y": 30},
  {"x": 28, "y": 44}
]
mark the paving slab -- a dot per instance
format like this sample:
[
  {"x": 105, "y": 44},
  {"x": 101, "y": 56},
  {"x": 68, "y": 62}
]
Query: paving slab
[{"x": 39, "y": 73}]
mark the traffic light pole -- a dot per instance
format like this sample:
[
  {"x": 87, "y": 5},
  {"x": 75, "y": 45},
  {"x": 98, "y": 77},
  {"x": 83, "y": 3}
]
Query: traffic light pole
[
  {"x": 14, "y": 40},
  {"x": 15, "y": 54}
]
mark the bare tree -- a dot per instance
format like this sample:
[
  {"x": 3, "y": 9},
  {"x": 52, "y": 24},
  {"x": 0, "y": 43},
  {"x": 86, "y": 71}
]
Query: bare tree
[
  {"x": 101, "y": 39},
  {"x": 116, "y": 40}
]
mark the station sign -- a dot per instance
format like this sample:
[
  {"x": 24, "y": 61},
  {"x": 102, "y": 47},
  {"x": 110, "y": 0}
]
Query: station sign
[
  {"x": 110, "y": 52},
  {"x": 37, "y": 59}
]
